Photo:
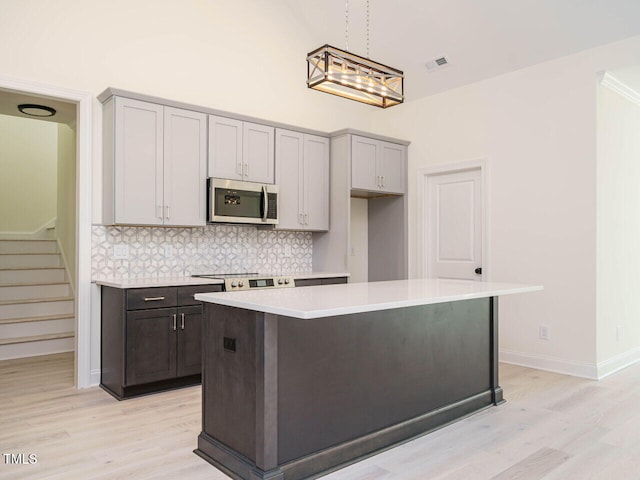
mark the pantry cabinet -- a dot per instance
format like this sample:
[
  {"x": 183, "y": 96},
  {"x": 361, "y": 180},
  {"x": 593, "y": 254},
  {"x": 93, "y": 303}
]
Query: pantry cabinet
[
  {"x": 302, "y": 174},
  {"x": 240, "y": 150},
  {"x": 154, "y": 164}
]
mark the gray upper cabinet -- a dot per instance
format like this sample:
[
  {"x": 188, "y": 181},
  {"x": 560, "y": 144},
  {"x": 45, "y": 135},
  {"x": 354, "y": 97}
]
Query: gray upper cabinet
[
  {"x": 377, "y": 165},
  {"x": 302, "y": 174},
  {"x": 154, "y": 164},
  {"x": 241, "y": 150}
]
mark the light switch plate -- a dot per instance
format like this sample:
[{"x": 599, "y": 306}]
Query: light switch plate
[{"x": 120, "y": 252}]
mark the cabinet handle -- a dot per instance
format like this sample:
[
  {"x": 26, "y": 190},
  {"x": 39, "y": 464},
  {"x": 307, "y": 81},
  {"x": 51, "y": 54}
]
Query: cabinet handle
[
  {"x": 175, "y": 320},
  {"x": 246, "y": 170},
  {"x": 306, "y": 219},
  {"x": 382, "y": 178},
  {"x": 182, "y": 321},
  {"x": 167, "y": 207},
  {"x": 301, "y": 219},
  {"x": 152, "y": 299},
  {"x": 239, "y": 168},
  {"x": 378, "y": 180},
  {"x": 159, "y": 211}
]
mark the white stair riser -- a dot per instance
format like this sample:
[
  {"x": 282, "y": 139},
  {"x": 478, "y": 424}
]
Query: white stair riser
[
  {"x": 32, "y": 276},
  {"x": 39, "y": 260},
  {"x": 25, "y": 246},
  {"x": 21, "y": 310},
  {"x": 34, "y": 291},
  {"x": 30, "y": 329},
  {"x": 32, "y": 349}
]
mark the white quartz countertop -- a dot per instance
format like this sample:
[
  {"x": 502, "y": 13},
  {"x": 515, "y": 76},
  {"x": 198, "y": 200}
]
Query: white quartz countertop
[
  {"x": 181, "y": 281},
  {"x": 344, "y": 299}
]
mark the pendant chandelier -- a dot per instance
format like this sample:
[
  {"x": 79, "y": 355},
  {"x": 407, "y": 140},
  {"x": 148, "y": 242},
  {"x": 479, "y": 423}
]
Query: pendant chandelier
[{"x": 339, "y": 72}]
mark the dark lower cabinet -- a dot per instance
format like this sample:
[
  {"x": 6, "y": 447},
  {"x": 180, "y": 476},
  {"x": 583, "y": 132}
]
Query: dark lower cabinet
[
  {"x": 151, "y": 339},
  {"x": 310, "y": 282}
]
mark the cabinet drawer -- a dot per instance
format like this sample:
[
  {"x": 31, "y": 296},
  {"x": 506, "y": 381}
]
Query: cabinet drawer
[
  {"x": 158, "y": 297},
  {"x": 308, "y": 282},
  {"x": 334, "y": 281},
  {"x": 185, "y": 294}
]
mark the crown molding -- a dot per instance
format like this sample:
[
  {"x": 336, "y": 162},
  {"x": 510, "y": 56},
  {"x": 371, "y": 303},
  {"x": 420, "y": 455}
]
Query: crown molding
[{"x": 615, "y": 85}]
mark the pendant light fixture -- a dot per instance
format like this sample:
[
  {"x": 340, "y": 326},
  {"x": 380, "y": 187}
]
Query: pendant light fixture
[{"x": 339, "y": 72}]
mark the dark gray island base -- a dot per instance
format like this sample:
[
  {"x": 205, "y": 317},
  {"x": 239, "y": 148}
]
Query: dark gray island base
[{"x": 287, "y": 398}]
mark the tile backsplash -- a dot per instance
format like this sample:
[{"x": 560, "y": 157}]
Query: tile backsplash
[{"x": 175, "y": 252}]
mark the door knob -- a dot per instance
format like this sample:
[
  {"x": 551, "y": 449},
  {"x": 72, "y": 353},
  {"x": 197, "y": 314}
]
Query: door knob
[{"x": 478, "y": 270}]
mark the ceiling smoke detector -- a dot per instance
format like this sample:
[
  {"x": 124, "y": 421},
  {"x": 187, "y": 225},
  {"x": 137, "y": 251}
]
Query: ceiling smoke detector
[{"x": 437, "y": 64}]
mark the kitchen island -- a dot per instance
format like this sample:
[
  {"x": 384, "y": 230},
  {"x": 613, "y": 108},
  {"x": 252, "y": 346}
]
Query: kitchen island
[{"x": 299, "y": 382}]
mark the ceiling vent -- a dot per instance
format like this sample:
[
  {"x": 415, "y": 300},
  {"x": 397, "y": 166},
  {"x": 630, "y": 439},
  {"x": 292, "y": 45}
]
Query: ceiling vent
[{"x": 437, "y": 64}]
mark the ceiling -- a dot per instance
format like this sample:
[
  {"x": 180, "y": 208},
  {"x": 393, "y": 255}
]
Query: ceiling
[
  {"x": 9, "y": 101},
  {"x": 480, "y": 39}
]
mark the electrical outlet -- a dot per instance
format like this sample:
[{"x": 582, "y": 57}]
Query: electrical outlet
[
  {"x": 543, "y": 332},
  {"x": 287, "y": 250},
  {"x": 120, "y": 252},
  {"x": 168, "y": 251}
]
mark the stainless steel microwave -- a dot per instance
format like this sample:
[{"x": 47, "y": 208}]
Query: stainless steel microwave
[{"x": 233, "y": 201}]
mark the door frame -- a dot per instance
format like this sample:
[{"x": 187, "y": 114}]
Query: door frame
[
  {"x": 423, "y": 207},
  {"x": 84, "y": 182}
]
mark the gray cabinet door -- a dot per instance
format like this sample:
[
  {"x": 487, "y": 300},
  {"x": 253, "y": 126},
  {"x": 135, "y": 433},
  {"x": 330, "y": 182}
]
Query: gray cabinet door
[
  {"x": 289, "y": 178},
  {"x": 258, "y": 153},
  {"x": 185, "y": 150},
  {"x": 189, "y": 351},
  {"x": 225, "y": 148},
  {"x": 151, "y": 345},
  {"x": 392, "y": 167},
  {"x": 316, "y": 183},
  {"x": 364, "y": 162},
  {"x": 138, "y": 157}
]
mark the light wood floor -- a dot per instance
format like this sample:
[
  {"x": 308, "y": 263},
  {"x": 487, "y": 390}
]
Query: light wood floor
[{"x": 552, "y": 427}]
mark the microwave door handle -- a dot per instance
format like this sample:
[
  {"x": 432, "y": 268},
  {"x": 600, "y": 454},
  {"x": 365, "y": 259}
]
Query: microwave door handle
[{"x": 265, "y": 203}]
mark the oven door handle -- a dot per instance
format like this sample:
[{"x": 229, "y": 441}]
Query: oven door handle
[{"x": 265, "y": 203}]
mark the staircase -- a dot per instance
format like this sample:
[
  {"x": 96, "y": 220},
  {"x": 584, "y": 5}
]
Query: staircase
[{"x": 36, "y": 301}]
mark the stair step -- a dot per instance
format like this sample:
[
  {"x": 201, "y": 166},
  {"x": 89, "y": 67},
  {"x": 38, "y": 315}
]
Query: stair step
[
  {"x": 36, "y": 318},
  {"x": 23, "y": 291},
  {"x": 28, "y": 246},
  {"x": 32, "y": 274},
  {"x": 13, "y": 260},
  {"x": 36, "y": 300},
  {"x": 36, "y": 307},
  {"x": 43, "y": 327},
  {"x": 36, "y": 338}
]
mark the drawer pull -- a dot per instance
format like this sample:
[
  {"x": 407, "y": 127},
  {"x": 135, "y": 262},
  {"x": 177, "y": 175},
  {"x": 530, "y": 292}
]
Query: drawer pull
[
  {"x": 153, "y": 299},
  {"x": 182, "y": 321},
  {"x": 175, "y": 318}
]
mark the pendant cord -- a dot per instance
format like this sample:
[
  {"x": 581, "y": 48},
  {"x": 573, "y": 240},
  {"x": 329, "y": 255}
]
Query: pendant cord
[
  {"x": 367, "y": 28},
  {"x": 346, "y": 23}
]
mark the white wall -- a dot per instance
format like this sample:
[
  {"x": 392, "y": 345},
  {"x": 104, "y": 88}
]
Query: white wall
[
  {"x": 537, "y": 129},
  {"x": 28, "y": 153},
  {"x": 66, "y": 200},
  {"x": 618, "y": 223}
]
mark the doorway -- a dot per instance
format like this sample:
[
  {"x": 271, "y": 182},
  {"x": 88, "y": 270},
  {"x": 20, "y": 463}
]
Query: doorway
[
  {"x": 453, "y": 215},
  {"x": 79, "y": 224}
]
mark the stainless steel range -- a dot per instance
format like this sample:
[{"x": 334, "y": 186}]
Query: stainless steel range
[{"x": 250, "y": 281}]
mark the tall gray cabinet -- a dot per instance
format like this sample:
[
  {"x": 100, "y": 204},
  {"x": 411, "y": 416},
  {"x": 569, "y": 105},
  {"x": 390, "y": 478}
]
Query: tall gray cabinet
[
  {"x": 374, "y": 168},
  {"x": 302, "y": 173}
]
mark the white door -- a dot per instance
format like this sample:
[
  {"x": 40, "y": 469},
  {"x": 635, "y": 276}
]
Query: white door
[
  {"x": 289, "y": 152},
  {"x": 454, "y": 225},
  {"x": 316, "y": 183},
  {"x": 258, "y": 153},
  {"x": 392, "y": 167},
  {"x": 225, "y": 148}
]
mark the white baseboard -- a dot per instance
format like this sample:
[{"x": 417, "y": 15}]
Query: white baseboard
[
  {"x": 617, "y": 363},
  {"x": 566, "y": 367},
  {"x": 94, "y": 378}
]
